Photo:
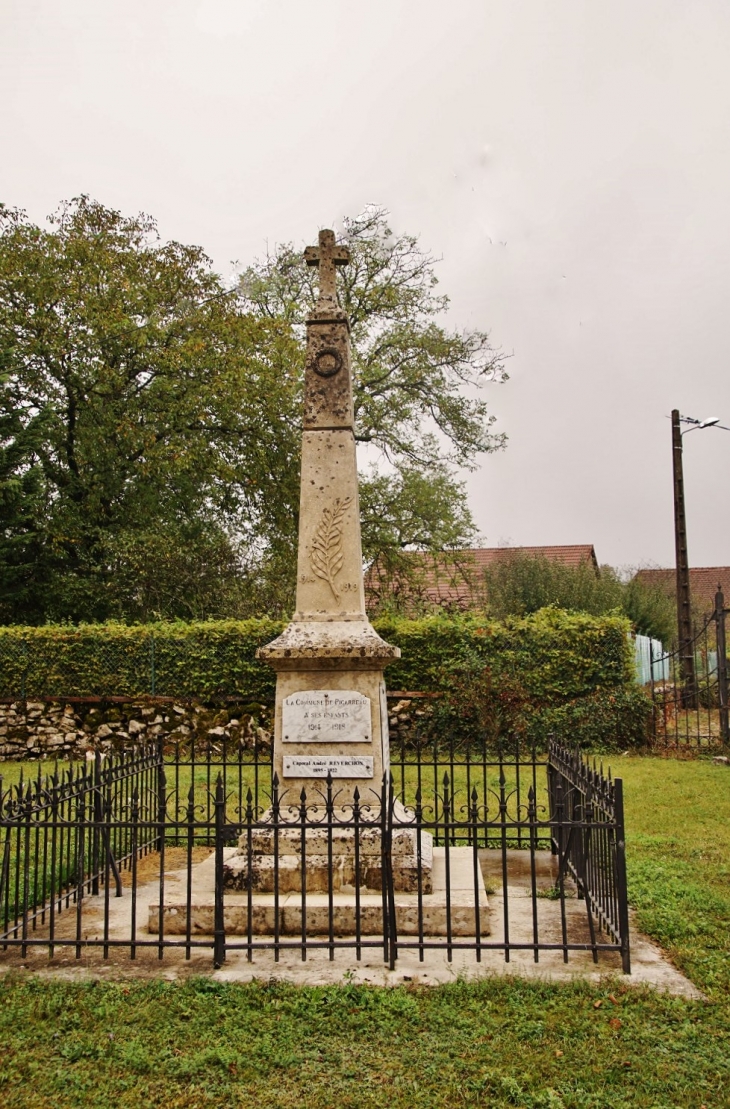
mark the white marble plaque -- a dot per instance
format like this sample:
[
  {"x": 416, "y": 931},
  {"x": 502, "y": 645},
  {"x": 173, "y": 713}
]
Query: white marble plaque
[
  {"x": 319, "y": 766},
  {"x": 326, "y": 716}
]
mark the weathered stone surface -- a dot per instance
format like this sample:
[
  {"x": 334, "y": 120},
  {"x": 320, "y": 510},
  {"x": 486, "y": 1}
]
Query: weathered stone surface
[
  {"x": 466, "y": 905},
  {"x": 330, "y": 643},
  {"x": 317, "y": 841},
  {"x": 334, "y": 644},
  {"x": 262, "y": 873},
  {"x": 367, "y": 682},
  {"x": 61, "y": 732},
  {"x": 336, "y": 854},
  {"x": 326, "y": 716}
]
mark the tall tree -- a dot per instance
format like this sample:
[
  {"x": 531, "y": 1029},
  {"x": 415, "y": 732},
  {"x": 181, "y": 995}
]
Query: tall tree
[
  {"x": 150, "y": 415},
  {"x": 165, "y": 409},
  {"x": 418, "y": 386},
  {"x": 22, "y": 507}
]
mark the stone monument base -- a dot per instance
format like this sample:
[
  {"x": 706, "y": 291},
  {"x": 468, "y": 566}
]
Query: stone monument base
[
  {"x": 439, "y": 913},
  {"x": 269, "y": 856}
]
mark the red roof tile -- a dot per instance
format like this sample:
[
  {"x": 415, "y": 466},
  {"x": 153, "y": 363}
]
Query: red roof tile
[
  {"x": 703, "y": 583},
  {"x": 448, "y": 579}
]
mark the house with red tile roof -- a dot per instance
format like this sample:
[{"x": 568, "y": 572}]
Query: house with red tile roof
[
  {"x": 456, "y": 579},
  {"x": 703, "y": 583}
]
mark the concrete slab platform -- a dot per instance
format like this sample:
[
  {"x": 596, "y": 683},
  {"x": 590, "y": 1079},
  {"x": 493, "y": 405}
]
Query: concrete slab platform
[
  {"x": 436, "y": 911},
  {"x": 650, "y": 966}
]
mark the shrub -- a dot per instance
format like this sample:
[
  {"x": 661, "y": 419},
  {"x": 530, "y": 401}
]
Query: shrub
[
  {"x": 202, "y": 659},
  {"x": 523, "y": 583},
  {"x": 556, "y": 655},
  {"x": 608, "y": 720},
  {"x": 549, "y": 671}
]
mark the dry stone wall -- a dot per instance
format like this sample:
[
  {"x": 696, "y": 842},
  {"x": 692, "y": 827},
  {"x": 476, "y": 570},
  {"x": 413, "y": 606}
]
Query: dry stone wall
[{"x": 62, "y": 729}]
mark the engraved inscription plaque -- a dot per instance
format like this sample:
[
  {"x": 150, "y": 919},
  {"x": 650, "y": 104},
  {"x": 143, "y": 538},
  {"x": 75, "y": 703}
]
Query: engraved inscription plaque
[
  {"x": 326, "y": 716},
  {"x": 319, "y": 766}
]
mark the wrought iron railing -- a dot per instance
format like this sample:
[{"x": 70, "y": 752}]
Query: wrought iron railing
[
  {"x": 690, "y": 703},
  {"x": 165, "y": 850},
  {"x": 587, "y": 836}
]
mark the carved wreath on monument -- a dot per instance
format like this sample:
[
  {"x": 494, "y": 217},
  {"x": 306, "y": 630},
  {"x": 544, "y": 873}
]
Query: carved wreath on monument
[{"x": 328, "y": 362}]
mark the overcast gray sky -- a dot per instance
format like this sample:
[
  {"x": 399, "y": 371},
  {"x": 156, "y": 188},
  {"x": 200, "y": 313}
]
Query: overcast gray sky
[{"x": 569, "y": 161}]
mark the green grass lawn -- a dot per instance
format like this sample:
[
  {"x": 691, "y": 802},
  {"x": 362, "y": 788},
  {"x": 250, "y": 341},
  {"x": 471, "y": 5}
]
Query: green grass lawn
[{"x": 498, "y": 1043}]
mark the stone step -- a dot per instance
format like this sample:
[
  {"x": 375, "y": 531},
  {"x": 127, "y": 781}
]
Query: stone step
[
  {"x": 438, "y": 911},
  {"x": 263, "y": 875}
]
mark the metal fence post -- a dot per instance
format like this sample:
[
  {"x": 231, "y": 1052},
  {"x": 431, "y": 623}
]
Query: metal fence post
[
  {"x": 97, "y": 817},
  {"x": 219, "y": 933},
  {"x": 621, "y": 883},
  {"x": 720, "y": 613},
  {"x": 161, "y": 806}
]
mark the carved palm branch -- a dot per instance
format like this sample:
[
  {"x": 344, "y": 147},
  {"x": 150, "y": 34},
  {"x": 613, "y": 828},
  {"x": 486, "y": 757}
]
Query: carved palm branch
[{"x": 327, "y": 557}]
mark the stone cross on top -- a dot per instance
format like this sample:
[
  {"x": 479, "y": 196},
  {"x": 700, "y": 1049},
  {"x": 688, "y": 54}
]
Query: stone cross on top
[{"x": 327, "y": 255}]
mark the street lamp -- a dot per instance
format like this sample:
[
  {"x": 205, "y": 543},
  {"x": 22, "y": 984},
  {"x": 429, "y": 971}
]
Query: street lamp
[{"x": 684, "y": 607}]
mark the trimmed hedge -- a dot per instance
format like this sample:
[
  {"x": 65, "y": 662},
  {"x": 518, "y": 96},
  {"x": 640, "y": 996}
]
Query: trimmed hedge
[
  {"x": 609, "y": 720},
  {"x": 557, "y": 656},
  {"x": 200, "y": 660}
]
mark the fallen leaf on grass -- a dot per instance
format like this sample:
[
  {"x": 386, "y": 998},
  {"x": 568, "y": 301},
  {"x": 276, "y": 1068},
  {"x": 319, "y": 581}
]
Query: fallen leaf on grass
[
  {"x": 615, "y": 1022},
  {"x": 598, "y": 1004}
]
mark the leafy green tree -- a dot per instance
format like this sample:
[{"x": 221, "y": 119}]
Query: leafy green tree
[
  {"x": 420, "y": 411},
  {"x": 651, "y": 610},
  {"x": 150, "y": 429},
  {"x": 22, "y": 504},
  {"x": 162, "y": 408},
  {"x": 522, "y": 584}
]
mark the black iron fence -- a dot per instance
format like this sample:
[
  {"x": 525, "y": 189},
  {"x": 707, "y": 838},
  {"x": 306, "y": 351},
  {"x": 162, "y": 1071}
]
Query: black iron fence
[
  {"x": 171, "y": 851},
  {"x": 63, "y": 836},
  {"x": 689, "y": 688}
]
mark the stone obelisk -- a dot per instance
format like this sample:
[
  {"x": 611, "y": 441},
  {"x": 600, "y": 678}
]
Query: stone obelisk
[{"x": 331, "y": 714}]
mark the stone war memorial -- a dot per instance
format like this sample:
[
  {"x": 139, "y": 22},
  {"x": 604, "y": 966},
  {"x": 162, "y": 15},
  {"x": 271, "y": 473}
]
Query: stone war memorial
[
  {"x": 331, "y": 713},
  {"x": 331, "y": 717},
  {"x": 328, "y": 839}
]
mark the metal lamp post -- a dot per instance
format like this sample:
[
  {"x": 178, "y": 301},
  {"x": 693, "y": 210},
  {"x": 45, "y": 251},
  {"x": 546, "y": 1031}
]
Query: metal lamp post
[{"x": 684, "y": 600}]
